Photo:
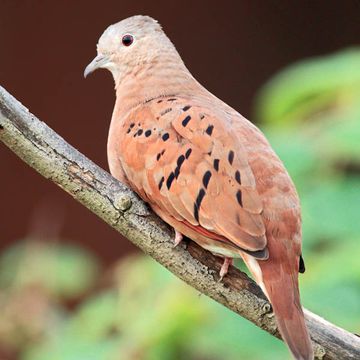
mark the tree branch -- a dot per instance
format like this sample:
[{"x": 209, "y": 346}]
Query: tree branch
[{"x": 50, "y": 155}]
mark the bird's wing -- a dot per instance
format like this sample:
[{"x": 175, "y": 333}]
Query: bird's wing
[{"x": 189, "y": 163}]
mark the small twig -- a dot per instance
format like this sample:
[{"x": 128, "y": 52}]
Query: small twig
[{"x": 50, "y": 155}]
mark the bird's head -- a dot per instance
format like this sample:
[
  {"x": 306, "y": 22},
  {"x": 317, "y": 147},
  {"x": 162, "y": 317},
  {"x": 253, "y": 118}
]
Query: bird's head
[{"x": 132, "y": 42}]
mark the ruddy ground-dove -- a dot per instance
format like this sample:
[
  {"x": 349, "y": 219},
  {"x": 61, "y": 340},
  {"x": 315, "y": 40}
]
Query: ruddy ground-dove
[{"x": 203, "y": 168}]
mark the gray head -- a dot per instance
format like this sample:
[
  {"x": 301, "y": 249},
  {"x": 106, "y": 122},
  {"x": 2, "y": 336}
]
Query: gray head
[{"x": 134, "y": 41}]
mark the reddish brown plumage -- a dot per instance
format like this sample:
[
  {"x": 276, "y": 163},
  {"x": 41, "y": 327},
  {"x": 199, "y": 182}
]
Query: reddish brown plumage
[
  {"x": 154, "y": 153},
  {"x": 204, "y": 168},
  {"x": 279, "y": 274}
]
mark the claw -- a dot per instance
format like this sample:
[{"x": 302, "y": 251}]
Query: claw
[
  {"x": 225, "y": 267},
  {"x": 178, "y": 238}
]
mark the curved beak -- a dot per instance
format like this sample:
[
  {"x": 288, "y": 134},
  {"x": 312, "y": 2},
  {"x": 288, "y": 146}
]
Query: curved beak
[{"x": 100, "y": 61}]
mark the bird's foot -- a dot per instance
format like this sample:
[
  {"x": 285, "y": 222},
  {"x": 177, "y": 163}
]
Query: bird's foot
[
  {"x": 178, "y": 238},
  {"x": 225, "y": 267}
]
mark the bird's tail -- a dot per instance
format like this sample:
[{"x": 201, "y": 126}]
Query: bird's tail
[{"x": 283, "y": 292}]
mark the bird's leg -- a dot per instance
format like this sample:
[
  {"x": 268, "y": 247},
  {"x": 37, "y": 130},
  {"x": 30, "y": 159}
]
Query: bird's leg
[
  {"x": 225, "y": 267},
  {"x": 178, "y": 238}
]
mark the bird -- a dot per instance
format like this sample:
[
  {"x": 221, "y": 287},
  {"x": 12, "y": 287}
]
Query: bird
[{"x": 202, "y": 167}]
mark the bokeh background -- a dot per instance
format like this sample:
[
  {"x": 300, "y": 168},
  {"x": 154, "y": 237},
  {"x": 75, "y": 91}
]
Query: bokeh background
[{"x": 70, "y": 286}]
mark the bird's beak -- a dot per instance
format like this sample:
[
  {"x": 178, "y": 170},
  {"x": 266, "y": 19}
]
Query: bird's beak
[{"x": 100, "y": 61}]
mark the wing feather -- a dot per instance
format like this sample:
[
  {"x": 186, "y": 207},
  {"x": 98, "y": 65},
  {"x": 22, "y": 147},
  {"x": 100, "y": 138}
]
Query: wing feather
[{"x": 192, "y": 166}]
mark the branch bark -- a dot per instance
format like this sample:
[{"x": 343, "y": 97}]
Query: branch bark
[{"x": 44, "y": 150}]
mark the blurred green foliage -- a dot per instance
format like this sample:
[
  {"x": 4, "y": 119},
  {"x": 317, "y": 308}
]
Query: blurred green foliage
[
  {"x": 311, "y": 114},
  {"x": 57, "y": 303}
]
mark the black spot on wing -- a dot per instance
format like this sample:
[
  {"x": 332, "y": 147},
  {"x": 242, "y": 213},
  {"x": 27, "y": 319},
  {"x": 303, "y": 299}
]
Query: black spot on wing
[
  {"x": 186, "y": 108},
  {"x": 197, "y": 203},
  {"x": 161, "y": 182},
  {"x": 231, "y": 157},
  {"x": 130, "y": 127},
  {"x": 188, "y": 152},
  {"x": 209, "y": 129},
  {"x": 239, "y": 197},
  {"x": 179, "y": 162},
  {"x": 216, "y": 164},
  {"x": 165, "y": 136},
  {"x": 206, "y": 179},
  {"x": 170, "y": 180},
  {"x": 186, "y": 121},
  {"x": 147, "y": 133},
  {"x": 238, "y": 177}
]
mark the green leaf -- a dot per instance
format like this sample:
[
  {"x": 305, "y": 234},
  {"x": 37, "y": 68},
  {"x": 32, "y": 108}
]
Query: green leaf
[{"x": 310, "y": 86}]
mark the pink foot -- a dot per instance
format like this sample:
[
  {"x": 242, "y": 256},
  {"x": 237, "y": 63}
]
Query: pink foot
[
  {"x": 178, "y": 238},
  {"x": 225, "y": 267}
]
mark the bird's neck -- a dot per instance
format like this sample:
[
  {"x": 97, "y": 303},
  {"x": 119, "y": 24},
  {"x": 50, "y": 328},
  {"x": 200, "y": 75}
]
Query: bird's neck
[{"x": 163, "y": 76}]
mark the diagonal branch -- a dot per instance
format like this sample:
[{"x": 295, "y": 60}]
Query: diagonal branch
[{"x": 50, "y": 155}]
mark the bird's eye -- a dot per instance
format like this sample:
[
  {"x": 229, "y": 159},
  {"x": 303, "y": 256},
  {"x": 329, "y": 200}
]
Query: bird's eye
[{"x": 127, "y": 40}]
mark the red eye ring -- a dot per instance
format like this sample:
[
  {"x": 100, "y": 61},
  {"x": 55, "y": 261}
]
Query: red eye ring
[{"x": 127, "y": 40}]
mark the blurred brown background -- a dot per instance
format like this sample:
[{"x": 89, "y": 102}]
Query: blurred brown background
[{"x": 231, "y": 47}]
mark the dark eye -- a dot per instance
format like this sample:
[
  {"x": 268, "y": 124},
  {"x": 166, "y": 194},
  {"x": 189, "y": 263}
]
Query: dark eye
[{"x": 127, "y": 40}]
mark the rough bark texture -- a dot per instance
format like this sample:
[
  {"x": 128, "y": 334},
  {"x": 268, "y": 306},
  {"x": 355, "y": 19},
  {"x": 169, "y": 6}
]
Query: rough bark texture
[{"x": 50, "y": 155}]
